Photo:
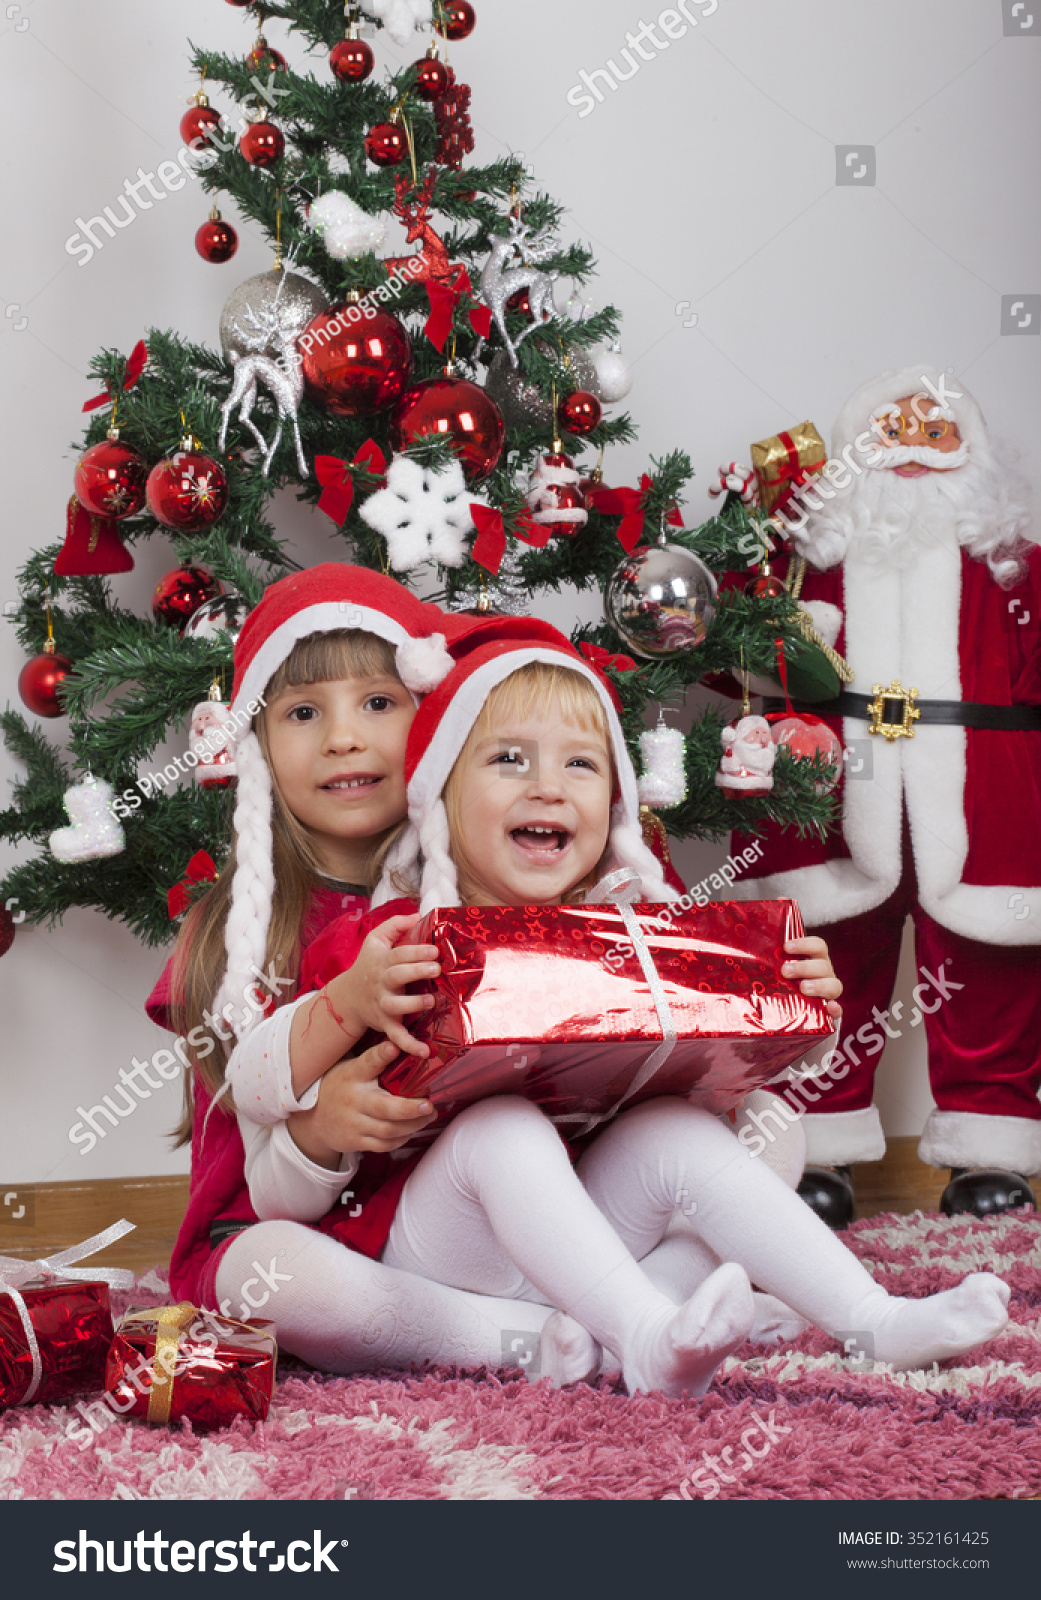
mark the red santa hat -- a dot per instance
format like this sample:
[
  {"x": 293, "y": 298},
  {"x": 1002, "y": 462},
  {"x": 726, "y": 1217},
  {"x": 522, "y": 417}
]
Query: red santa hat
[
  {"x": 323, "y": 599},
  {"x": 486, "y": 656}
]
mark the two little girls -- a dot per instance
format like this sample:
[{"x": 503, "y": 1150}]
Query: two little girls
[{"x": 519, "y": 791}]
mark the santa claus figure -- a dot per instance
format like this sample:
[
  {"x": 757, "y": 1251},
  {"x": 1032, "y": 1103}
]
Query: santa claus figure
[
  {"x": 924, "y": 575},
  {"x": 747, "y": 766}
]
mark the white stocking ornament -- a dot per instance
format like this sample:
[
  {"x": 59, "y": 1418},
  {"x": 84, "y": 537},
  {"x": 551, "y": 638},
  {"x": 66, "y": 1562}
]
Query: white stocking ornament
[
  {"x": 95, "y": 831},
  {"x": 664, "y": 780},
  {"x": 423, "y": 513}
]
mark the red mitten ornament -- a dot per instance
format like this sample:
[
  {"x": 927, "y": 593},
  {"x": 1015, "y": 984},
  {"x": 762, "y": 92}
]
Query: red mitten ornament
[{"x": 746, "y": 769}]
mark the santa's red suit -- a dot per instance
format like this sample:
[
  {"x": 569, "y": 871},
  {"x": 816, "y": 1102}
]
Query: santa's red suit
[{"x": 944, "y": 826}]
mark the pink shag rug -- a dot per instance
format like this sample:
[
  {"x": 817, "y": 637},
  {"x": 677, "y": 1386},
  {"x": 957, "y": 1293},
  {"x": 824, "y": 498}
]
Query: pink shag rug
[{"x": 802, "y": 1423}]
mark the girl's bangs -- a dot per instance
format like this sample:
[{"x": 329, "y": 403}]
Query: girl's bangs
[
  {"x": 326, "y": 657},
  {"x": 540, "y": 689}
]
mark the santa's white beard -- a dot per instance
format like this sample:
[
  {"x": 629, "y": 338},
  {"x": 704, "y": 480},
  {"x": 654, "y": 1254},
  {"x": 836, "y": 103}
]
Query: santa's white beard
[{"x": 888, "y": 518}]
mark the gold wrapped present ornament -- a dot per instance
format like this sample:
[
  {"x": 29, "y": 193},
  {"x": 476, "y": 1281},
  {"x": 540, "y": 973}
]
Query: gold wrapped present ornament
[{"x": 785, "y": 462}]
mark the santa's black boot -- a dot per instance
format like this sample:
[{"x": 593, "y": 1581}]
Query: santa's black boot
[
  {"x": 829, "y": 1192},
  {"x": 985, "y": 1192}
]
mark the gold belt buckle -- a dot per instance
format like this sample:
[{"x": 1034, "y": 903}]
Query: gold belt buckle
[{"x": 887, "y": 717}]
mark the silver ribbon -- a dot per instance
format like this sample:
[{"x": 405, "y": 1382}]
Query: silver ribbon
[
  {"x": 15, "y": 1274},
  {"x": 621, "y": 888}
]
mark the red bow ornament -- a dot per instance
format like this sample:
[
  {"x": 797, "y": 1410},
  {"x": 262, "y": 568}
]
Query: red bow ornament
[
  {"x": 604, "y": 661},
  {"x": 490, "y": 545},
  {"x": 334, "y": 475},
  {"x": 134, "y": 368},
  {"x": 201, "y": 869},
  {"x": 630, "y": 505},
  {"x": 444, "y": 297}
]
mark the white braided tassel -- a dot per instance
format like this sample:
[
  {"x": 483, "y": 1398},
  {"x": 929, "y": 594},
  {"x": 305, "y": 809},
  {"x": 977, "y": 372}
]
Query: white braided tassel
[
  {"x": 253, "y": 886},
  {"x": 440, "y": 887}
]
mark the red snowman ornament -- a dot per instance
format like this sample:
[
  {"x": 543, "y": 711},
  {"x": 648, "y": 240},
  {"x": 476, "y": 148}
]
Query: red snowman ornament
[{"x": 555, "y": 494}]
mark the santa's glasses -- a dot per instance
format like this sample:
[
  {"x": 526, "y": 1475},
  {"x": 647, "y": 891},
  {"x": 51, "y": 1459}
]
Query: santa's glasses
[{"x": 925, "y": 430}]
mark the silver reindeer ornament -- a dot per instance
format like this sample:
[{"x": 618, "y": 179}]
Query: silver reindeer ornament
[
  {"x": 281, "y": 374},
  {"x": 499, "y": 281}
]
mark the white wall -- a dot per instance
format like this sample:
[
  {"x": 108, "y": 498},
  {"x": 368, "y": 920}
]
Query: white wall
[{"x": 708, "y": 179}]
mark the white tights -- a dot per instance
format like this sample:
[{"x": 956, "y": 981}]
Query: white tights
[{"x": 493, "y": 1206}]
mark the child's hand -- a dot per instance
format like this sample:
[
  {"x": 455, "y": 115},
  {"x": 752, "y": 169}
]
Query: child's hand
[
  {"x": 374, "y": 986},
  {"x": 815, "y": 972},
  {"x": 354, "y": 1114}
]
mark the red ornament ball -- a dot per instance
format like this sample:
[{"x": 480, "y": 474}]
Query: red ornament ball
[
  {"x": 455, "y": 19},
  {"x": 431, "y": 78},
  {"x": 263, "y": 59},
  {"x": 182, "y": 592},
  {"x": 805, "y": 736},
  {"x": 38, "y": 683},
  {"x": 354, "y": 365},
  {"x": 216, "y": 241},
  {"x": 262, "y": 144},
  {"x": 765, "y": 586},
  {"x": 241, "y": 3},
  {"x": 197, "y": 124},
  {"x": 352, "y": 60},
  {"x": 453, "y": 409},
  {"x": 188, "y": 492},
  {"x": 579, "y": 413},
  {"x": 387, "y": 144},
  {"x": 110, "y": 480},
  {"x": 520, "y": 301}
]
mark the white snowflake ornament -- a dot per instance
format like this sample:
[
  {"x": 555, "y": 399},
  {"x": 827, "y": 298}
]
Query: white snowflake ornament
[
  {"x": 345, "y": 229},
  {"x": 401, "y": 18},
  {"x": 95, "y": 832},
  {"x": 423, "y": 513}
]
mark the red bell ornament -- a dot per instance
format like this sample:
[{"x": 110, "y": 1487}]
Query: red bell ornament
[
  {"x": 216, "y": 241},
  {"x": 454, "y": 19},
  {"x": 355, "y": 364},
  {"x": 187, "y": 491},
  {"x": 110, "y": 478},
  {"x": 579, "y": 413},
  {"x": 352, "y": 60},
  {"x": 198, "y": 122},
  {"x": 39, "y": 679},
  {"x": 92, "y": 546},
  {"x": 181, "y": 593},
  {"x": 262, "y": 144},
  {"x": 454, "y": 409},
  {"x": 387, "y": 144}
]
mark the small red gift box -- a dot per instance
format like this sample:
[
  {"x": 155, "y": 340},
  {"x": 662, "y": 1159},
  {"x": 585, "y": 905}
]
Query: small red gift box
[
  {"x": 557, "y": 1003},
  {"x": 71, "y": 1329},
  {"x": 177, "y": 1361}
]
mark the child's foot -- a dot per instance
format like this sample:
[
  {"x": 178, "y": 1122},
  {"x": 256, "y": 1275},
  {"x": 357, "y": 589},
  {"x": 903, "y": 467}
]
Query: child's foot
[
  {"x": 775, "y": 1323},
  {"x": 915, "y": 1333},
  {"x": 679, "y": 1349},
  {"x": 568, "y": 1353}
]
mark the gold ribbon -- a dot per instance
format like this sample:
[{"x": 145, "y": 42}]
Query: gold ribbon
[{"x": 170, "y": 1322}]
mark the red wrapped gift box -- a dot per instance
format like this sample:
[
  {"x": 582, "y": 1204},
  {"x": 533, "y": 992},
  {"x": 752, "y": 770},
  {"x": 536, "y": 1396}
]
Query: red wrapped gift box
[
  {"x": 552, "y": 1003},
  {"x": 177, "y": 1361},
  {"x": 72, "y": 1325}
]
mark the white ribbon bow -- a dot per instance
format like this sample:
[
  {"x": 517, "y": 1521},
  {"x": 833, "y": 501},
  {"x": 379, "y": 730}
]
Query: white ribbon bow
[{"x": 15, "y": 1273}]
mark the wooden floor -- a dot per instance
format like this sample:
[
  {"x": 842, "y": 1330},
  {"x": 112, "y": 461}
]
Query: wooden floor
[{"x": 60, "y": 1214}]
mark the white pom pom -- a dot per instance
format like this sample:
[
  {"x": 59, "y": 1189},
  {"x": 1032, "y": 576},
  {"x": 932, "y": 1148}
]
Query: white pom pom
[
  {"x": 826, "y": 619},
  {"x": 664, "y": 781},
  {"x": 400, "y": 17},
  {"x": 423, "y": 663},
  {"x": 346, "y": 230}
]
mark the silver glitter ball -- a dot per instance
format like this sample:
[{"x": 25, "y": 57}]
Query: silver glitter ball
[
  {"x": 224, "y": 614},
  {"x": 661, "y": 601},
  {"x": 300, "y": 300},
  {"x": 522, "y": 402}
]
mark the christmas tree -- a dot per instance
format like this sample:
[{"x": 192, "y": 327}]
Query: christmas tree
[{"x": 436, "y": 406}]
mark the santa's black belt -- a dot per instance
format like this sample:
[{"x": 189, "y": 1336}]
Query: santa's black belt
[{"x": 946, "y": 713}]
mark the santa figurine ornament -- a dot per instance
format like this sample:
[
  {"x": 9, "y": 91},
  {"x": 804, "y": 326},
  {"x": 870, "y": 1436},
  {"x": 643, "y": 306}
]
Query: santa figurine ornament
[
  {"x": 211, "y": 742},
  {"x": 746, "y": 768},
  {"x": 921, "y": 569}
]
